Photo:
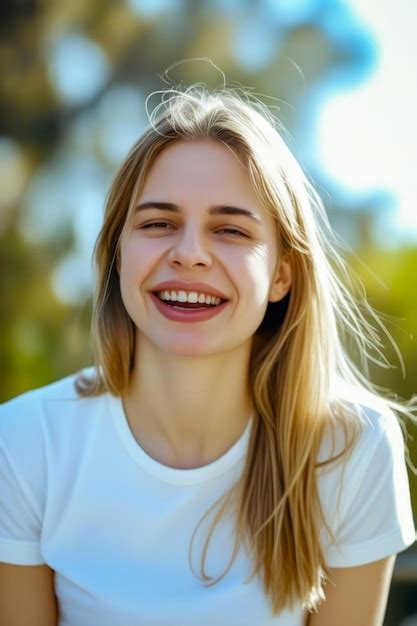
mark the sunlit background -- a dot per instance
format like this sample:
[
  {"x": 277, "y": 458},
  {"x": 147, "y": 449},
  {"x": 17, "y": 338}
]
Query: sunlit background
[{"x": 340, "y": 75}]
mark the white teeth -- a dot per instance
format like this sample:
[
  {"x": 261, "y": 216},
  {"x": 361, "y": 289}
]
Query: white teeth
[
  {"x": 189, "y": 296},
  {"x": 182, "y": 296}
]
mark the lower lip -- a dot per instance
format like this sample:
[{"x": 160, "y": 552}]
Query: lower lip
[{"x": 187, "y": 315}]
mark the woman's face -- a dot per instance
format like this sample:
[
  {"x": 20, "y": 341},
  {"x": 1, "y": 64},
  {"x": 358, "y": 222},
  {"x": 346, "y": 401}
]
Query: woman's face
[{"x": 196, "y": 239}]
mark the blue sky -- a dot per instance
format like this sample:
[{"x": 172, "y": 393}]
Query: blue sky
[{"x": 367, "y": 133}]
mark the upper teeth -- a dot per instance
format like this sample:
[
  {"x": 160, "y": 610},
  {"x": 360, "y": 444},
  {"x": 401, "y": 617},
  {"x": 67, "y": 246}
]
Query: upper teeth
[{"x": 188, "y": 296}]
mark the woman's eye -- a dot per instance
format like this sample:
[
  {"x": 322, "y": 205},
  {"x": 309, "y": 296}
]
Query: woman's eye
[
  {"x": 156, "y": 224},
  {"x": 233, "y": 231}
]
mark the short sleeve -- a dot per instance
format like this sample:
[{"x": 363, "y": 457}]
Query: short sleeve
[
  {"x": 375, "y": 517},
  {"x": 20, "y": 520}
]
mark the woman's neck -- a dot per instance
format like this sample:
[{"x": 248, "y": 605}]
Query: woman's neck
[{"x": 188, "y": 411}]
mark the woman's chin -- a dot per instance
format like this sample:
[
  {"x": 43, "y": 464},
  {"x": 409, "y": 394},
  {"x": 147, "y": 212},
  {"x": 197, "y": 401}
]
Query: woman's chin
[{"x": 188, "y": 350}]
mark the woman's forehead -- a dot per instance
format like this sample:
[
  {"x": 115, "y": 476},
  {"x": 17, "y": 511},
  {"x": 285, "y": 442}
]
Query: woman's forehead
[
  {"x": 204, "y": 172},
  {"x": 204, "y": 160}
]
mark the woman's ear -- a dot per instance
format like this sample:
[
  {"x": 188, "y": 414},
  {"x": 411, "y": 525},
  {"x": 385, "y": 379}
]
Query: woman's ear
[{"x": 282, "y": 280}]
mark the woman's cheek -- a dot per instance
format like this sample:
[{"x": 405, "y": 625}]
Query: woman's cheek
[{"x": 134, "y": 255}]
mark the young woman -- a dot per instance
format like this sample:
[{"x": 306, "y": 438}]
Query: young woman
[{"x": 224, "y": 463}]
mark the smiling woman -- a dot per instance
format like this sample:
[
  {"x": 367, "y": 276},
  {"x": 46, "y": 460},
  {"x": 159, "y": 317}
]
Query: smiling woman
[
  {"x": 196, "y": 242},
  {"x": 223, "y": 462}
]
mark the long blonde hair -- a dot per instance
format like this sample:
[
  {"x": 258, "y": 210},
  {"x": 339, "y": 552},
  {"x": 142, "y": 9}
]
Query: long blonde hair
[{"x": 298, "y": 353}]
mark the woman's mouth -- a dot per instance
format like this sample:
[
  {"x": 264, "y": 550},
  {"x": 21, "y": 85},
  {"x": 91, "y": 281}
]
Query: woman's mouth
[
  {"x": 186, "y": 311},
  {"x": 192, "y": 300}
]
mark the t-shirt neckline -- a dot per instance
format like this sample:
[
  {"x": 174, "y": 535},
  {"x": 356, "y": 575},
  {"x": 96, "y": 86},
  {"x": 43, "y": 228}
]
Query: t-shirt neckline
[{"x": 170, "y": 474}]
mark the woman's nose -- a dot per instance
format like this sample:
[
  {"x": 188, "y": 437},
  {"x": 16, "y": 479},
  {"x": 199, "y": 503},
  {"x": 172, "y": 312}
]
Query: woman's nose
[{"x": 190, "y": 248}]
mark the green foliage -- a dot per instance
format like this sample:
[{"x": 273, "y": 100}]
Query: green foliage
[
  {"x": 41, "y": 338},
  {"x": 388, "y": 277}
]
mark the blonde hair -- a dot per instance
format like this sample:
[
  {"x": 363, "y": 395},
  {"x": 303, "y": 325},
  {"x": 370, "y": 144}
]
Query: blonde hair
[{"x": 298, "y": 354}]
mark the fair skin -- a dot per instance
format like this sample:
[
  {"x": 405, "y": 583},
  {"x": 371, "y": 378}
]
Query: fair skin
[
  {"x": 355, "y": 595},
  {"x": 27, "y": 596},
  {"x": 202, "y": 367}
]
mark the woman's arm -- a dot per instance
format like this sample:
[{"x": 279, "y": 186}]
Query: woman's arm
[
  {"x": 27, "y": 596},
  {"x": 356, "y": 595}
]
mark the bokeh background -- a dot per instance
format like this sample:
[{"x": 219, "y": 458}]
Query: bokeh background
[{"x": 74, "y": 76}]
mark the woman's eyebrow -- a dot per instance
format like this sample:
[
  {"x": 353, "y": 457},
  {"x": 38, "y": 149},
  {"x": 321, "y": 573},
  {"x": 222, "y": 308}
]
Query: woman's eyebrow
[{"x": 220, "y": 209}]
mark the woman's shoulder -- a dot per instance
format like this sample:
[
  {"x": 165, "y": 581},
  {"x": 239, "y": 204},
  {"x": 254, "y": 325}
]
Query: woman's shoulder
[
  {"x": 366, "y": 439},
  {"x": 32, "y": 410},
  {"x": 364, "y": 431},
  {"x": 364, "y": 417}
]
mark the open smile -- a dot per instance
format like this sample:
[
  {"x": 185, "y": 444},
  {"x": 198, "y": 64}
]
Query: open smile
[
  {"x": 188, "y": 299},
  {"x": 187, "y": 311}
]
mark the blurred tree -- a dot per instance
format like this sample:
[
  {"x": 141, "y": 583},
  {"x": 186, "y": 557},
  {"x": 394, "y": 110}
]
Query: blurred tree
[{"x": 42, "y": 339}]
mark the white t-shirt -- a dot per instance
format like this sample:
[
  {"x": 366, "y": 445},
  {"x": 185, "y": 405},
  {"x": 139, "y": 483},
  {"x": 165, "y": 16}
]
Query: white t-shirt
[{"x": 79, "y": 494}]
